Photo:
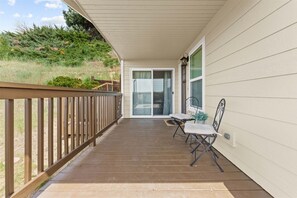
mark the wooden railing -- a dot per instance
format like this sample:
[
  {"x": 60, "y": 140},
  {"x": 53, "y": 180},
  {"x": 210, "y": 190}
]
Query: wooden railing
[
  {"x": 105, "y": 86},
  {"x": 75, "y": 118}
]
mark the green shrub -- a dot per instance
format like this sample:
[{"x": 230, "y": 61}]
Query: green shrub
[
  {"x": 88, "y": 83},
  {"x": 65, "y": 81}
]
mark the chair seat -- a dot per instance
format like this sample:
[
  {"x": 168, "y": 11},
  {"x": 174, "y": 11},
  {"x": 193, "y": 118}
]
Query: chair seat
[
  {"x": 181, "y": 116},
  {"x": 200, "y": 129}
]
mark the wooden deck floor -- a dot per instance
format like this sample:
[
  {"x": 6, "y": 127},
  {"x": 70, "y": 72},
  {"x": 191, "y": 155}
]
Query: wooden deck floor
[{"x": 139, "y": 158}]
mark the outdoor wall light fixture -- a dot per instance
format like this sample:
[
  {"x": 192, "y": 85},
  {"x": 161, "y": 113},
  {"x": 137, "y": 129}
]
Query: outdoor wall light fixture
[{"x": 184, "y": 60}]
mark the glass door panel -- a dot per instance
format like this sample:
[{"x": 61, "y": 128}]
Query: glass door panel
[
  {"x": 162, "y": 92},
  {"x": 142, "y": 93}
]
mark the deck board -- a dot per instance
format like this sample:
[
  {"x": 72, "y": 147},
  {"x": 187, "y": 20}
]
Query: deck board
[{"x": 139, "y": 158}]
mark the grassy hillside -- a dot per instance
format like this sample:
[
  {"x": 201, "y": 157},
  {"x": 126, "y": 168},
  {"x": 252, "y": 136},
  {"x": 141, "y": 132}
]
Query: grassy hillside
[
  {"x": 34, "y": 73},
  {"x": 39, "y": 54},
  {"x": 55, "y": 46}
]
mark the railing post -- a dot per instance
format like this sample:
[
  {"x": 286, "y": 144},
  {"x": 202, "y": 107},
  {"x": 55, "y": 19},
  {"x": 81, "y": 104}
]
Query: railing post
[
  {"x": 9, "y": 147},
  {"x": 28, "y": 141}
]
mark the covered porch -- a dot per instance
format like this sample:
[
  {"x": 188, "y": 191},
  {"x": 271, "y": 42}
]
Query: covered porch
[{"x": 139, "y": 158}]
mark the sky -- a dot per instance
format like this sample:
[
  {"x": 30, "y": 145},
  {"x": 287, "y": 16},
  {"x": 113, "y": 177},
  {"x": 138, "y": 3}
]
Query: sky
[{"x": 20, "y": 13}]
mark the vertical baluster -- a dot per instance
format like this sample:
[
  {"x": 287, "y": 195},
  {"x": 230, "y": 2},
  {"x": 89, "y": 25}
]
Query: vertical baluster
[
  {"x": 97, "y": 114},
  {"x": 28, "y": 141},
  {"x": 40, "y": 145},
  {"x": 112, "y": 107},
  {"x": 50, "y": 131},
  {"x": 72, "y": 124},
  {"x": 9, "y": 147},
  {"x": 105, "y": 111},
  {"x": 65, "y": 126},
  {"x": 107, "y": 108},
  {"x": 100, "y": 113},
  {"x": 119, "y": 106},
  {"x": 59, "y": 128},
  {"x": 90, "y": 128},
  {"x": 115, "y": 107},
  {"x": 82, "y": 113},
  {"x": 86, "y": 119},
  {"x": 94, "y": 118},
  {"x": 77, "y": 114}
]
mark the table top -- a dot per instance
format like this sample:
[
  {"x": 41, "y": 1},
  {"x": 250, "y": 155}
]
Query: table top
[{"x": 181, "y": 116}]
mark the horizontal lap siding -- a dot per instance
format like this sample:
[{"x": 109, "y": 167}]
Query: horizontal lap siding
[{"x": 251, "y": 60}]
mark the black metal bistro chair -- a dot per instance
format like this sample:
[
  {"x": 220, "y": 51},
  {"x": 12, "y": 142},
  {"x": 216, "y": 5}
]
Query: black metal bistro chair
[
  {"x": 192, "y": 107},
  {"x": 206, "y": 134}
]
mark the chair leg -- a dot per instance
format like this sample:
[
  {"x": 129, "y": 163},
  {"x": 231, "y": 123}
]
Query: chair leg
[
  {"x": 199, "y": 143},
  {"x": 197, "y": 158},
  {"x": 175, "y": 131},
  {"x": 179, "y": 126},
  {"x": 214, "y": 157},
  {"x": 214, "y": 152},
  {"x": 207, "y": 147},
  {"x": 187, "y": 138}
]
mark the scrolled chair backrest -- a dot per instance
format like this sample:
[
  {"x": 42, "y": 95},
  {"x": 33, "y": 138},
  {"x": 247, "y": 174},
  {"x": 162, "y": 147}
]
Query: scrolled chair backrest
[{"x": 219, "y": 114}]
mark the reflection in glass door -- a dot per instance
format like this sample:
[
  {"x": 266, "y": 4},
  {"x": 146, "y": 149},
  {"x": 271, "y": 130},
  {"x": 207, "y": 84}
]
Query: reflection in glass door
[
  {"x": 162, "y": 92},
  {"x": 152, "y": 93}
]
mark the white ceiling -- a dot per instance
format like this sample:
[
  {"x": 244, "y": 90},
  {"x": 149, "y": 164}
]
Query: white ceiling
[{"x": 148, "y": 29}]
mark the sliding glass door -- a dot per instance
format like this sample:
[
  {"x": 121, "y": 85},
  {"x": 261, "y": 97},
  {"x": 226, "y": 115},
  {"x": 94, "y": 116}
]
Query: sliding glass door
[
  {"x": 152, "y": 93},
  {"x": 162, "y": 92}
]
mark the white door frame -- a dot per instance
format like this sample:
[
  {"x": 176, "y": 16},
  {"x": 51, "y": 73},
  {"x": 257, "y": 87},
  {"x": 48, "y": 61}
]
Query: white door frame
[{"x": 152, "y": 95}]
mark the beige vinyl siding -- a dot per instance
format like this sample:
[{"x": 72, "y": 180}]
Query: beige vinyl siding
[
  {"x": 251, "y": 60},
  {"x": 147, "y": 64}
]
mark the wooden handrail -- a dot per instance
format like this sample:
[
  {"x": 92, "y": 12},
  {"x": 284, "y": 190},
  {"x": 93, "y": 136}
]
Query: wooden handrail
[
  {"x": 16, "y": 91},
  {"x": 76, "y": 117}
]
